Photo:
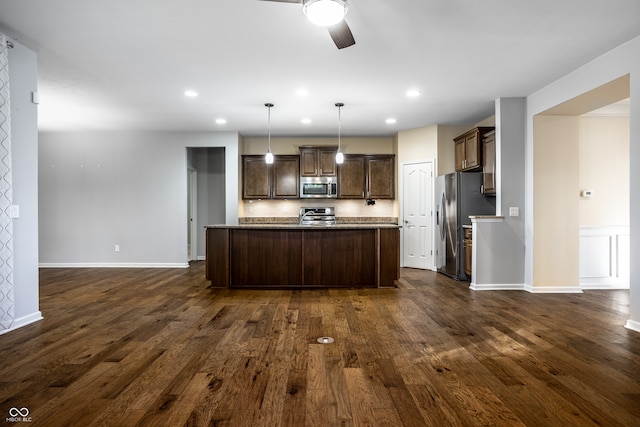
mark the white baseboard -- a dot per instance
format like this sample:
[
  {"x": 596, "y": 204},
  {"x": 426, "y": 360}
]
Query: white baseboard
[
  {"x": 633, "y": 325},
  {"x": 202, "y": 258},
  {"x": 604, "y": 286},
  {"x": 553, "y": 289},
  {"x": 113, "y": 265},
  {"x": 498, "y": 287},
  {"x": 23, "y": 321}
]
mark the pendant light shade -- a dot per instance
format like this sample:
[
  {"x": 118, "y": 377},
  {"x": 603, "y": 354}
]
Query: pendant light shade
[
  {"x": 325, "y": 12},
  {"x": 268, "y": 158},
  {"x": 339, "y": 155}
]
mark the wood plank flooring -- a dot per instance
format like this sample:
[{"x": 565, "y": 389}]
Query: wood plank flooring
[{"x": 157, "y": 347}]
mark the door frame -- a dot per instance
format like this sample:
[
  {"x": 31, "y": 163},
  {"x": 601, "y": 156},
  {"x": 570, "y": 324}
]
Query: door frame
[
  {"x": 192, "y": 208},
  {"x": 401, "y": 206}
]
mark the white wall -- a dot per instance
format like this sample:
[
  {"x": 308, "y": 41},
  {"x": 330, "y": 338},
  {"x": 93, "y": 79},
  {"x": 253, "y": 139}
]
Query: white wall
[
  {"x": 618, "y": 62},
  {"x": 24, "y": 140},
  {"x": 101, "y": 189}
]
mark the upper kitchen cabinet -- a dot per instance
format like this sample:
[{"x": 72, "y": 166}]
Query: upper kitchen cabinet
[
  {"x": 277, "y": 181},
  {"x": 286, "y": 179},
  {"x": 318, "y": 161},
  {"x": 367, "y": 177},
  {"x": 351, "y": 177},
  {"x": 489, "y": 163},
  {"x": 469, "y": 149},
  {"x": 381, "y": 183},
  {"x": 256, "y": 178}
]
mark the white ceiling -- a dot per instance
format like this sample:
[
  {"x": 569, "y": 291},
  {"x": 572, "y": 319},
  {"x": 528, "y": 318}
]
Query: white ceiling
[{"x": 126, "y": 64}]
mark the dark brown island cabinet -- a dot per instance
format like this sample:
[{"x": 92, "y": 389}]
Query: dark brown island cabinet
[{"x": 293, "y": 256}]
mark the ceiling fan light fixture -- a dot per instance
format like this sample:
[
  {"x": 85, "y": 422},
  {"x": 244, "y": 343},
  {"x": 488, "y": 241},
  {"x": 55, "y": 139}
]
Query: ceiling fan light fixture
[{"x": 325, "y": 12}]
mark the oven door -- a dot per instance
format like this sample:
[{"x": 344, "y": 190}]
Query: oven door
[
  {"x": 318, "y": 187},
  {"x": 314, "y": 189}
]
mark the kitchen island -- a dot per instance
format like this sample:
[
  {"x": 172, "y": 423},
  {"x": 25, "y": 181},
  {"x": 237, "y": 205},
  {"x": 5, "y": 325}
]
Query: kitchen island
[{"x": 272, "y": 256}]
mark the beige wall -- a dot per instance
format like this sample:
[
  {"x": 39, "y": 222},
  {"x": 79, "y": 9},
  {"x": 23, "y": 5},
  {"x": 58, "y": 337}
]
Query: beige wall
[
  {"x": 447, "y": 148},
  {"x": 604, "y": 168},
  {"x": 556, "y": 196},
  {"x": 417, "y": 144},
  {"x": 356, "y": 145}
]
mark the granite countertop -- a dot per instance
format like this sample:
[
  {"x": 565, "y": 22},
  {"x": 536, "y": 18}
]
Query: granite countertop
[{"x": 342, "y": 226}]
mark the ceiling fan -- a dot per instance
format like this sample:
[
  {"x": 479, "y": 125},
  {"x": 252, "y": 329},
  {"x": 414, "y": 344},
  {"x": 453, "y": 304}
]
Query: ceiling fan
[{"x": 330, "y": 14}]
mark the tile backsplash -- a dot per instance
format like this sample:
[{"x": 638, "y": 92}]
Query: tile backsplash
[{"x": 343, "y": 208}]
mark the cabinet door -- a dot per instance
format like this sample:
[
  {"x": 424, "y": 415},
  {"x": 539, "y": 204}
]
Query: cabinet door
[
  {"x": 468, "y": 263},
  {"x": 308, "y": 162},
  {"x": 489, "y": 164},
  {"x": 380, "y": 177},
  {"x": 286, "y": 184},
  {"x": 256, "y": 182},
  {"x": 327, "y": 162},
  {"x": 461, "y": 154},
  {"x": 472, "y": 150},
  {"x": 351, "y": 178}
]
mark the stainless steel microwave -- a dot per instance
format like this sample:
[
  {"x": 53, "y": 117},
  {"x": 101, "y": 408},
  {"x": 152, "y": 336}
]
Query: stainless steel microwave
[{"x": 323, "y": 187}]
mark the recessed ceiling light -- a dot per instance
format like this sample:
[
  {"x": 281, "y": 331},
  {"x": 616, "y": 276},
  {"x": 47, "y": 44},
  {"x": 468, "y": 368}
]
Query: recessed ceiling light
[
  {"x": 390, "y": 121},
  {"x": 302, "y": 92},
  {"x": 413, "y": 93},
  {"x": 190, "y": 93},
  {"x": 221, "y": 121},
  {"x": 305, "y": 121}
]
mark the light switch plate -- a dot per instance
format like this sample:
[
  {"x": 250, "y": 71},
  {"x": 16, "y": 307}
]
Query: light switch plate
[
  {"x": 15, "y": 211},
  {"x": 514, "y": 211}
]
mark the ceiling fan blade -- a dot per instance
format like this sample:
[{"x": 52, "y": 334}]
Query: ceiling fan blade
[
  {"x": 285, "y": 1},
  {"x": 341, "y": 35}
]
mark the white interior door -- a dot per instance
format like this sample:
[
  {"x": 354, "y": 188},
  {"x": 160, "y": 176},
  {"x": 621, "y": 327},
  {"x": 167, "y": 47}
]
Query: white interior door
[{"x": 417, "y": 224}]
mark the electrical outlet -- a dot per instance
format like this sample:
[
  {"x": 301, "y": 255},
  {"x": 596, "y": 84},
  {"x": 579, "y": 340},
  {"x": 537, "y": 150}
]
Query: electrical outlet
[{"x": 116, "y": 248}]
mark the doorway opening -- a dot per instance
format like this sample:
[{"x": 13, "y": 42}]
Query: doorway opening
[
  {"x": 581, "y": 190},
  {"x": 206, "y": 195}
]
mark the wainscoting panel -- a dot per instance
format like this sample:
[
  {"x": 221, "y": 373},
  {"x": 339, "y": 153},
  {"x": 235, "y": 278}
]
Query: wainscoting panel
[{"x": 604, "y": 257}]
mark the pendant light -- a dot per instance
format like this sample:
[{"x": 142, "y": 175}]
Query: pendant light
[
  {"x": 339, "y": 155},
  {"x": 268, "y": 158}
]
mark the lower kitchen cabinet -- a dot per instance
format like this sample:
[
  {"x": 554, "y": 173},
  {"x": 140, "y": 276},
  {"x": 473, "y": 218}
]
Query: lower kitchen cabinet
[
  {"x": 267, "y": 257},
  {"x": 468, "y": 251}
]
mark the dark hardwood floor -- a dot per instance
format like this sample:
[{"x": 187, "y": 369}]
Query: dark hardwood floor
[{"x": 157, "y": 347}]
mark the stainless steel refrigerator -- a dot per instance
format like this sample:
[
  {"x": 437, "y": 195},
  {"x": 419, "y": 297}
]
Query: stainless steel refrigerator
[{"x": 458, "y": 196}]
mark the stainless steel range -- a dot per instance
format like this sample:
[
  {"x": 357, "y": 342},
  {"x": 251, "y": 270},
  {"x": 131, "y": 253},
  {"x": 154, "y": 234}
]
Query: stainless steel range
[{"x": 317, "y": 216}]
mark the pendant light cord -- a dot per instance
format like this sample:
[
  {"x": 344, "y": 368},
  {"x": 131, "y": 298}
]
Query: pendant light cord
[
  {"x": 269, "y": 124},
  {"x": 339, "y": 126},
  {"x": 339, "y": 105}
]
